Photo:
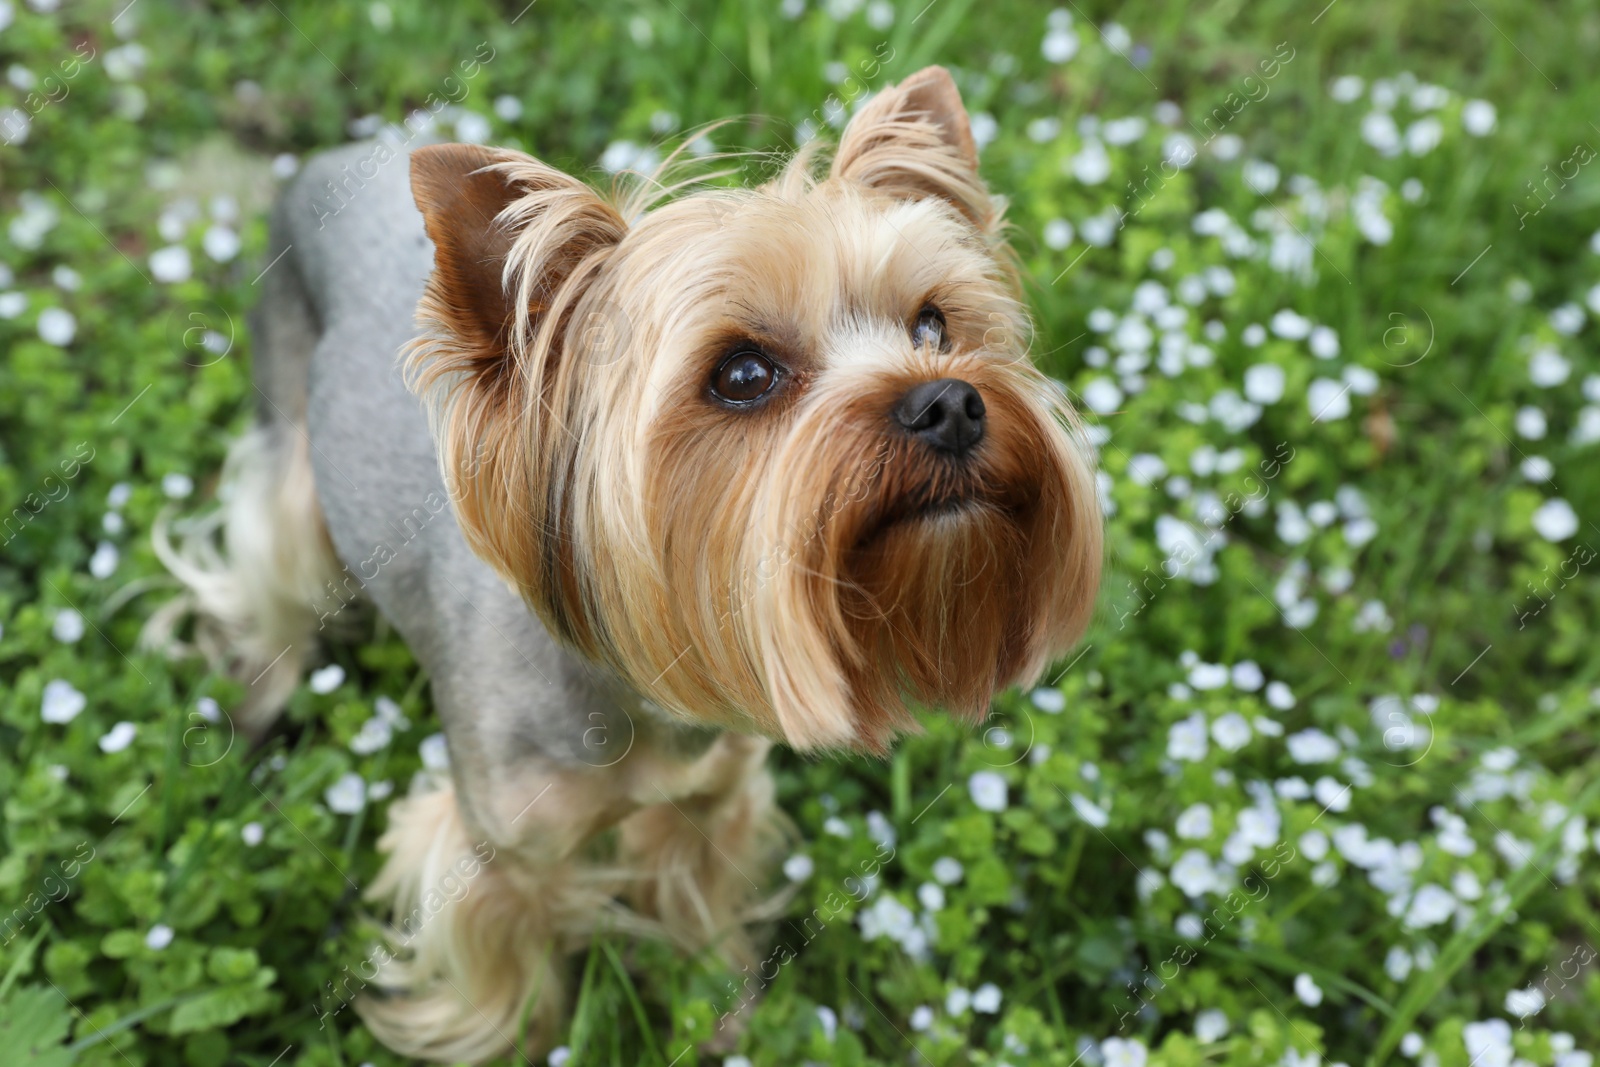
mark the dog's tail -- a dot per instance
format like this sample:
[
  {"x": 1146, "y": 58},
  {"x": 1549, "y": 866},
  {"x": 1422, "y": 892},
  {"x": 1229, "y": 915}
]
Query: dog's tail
[{"x": 257, "y": 598}]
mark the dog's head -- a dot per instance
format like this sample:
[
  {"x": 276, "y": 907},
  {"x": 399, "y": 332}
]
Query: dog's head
[{"x": 777, "y": 455}]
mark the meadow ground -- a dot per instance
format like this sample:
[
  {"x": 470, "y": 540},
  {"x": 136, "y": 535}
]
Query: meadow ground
[{"x": 1319, "y": 787}]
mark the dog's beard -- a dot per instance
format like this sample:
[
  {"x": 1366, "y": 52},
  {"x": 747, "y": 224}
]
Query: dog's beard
[
  {"x": 919, "y": 578},
  {"x": 819, "y": 583}
]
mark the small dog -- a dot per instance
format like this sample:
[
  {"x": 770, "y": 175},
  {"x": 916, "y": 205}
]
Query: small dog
[{"x": 659, "y": 479}]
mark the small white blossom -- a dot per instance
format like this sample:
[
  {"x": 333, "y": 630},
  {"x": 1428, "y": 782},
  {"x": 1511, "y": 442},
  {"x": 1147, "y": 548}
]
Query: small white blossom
[
  {"x": 1555, "y": 520},
  {"x": 159, "y": 937},
  {"x": 68, "y": 626},
  {"x": 1187, "y": 738},
  {"x": 327, "y": 679},
  {"x": 986, "y": 999},
  {"x": 988, "y": 791},
  {"x": 1307, "y": 990},
  {"x": 118, "y": 737},
  {"x": 57, "y": 327},
  {"x": 62, "y": 702},
  {"x": 346, "y": 796},
  {"x": 1478, "y": 118}
]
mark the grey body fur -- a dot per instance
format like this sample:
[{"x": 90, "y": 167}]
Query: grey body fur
[{"x": 337, "y": 310}]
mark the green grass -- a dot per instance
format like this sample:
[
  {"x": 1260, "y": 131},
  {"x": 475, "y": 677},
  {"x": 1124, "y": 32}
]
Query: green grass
[{"x": 1059, "y": 908}]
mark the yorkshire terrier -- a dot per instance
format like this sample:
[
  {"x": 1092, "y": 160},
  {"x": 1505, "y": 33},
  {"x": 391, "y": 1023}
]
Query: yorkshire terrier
[{"x": 659, "y": 478}]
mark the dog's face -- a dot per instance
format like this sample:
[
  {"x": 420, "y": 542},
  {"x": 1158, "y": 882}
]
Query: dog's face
[{"x": 776, "y": 455}]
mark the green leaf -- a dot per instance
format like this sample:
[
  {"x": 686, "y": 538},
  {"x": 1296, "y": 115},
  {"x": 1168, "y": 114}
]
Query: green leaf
[
  {"x": 33, "y": 1024},
  {"x": 222, "y": 1007}
]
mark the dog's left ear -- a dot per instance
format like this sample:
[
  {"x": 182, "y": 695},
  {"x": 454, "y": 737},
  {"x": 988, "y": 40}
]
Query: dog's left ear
[{"x": 914, "y": 140}]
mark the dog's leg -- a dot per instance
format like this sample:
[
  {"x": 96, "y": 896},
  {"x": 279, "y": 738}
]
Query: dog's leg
[
  {"x": 487, "y": 906},
  {"x": 484, "y": 920},
  {"x": 700, "y": 858},
  {"x": 258, "y": 597}
]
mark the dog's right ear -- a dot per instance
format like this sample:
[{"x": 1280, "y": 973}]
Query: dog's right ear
[{"x": 516, "y": 243}]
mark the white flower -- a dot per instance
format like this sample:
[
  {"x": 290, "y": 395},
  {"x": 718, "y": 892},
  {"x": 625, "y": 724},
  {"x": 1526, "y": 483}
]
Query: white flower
[
  {"x": 1424, "y": 135},
  {"x": 1092, "y": 164},
  {"x": 1328, "y": 399},
  {"x": 1478, "y": 117},
  {"x": 104, "y": 560},
  {"x": 1210, "y": 1025},
  {"x": 921, "y": 1017},
  {"x": 986, "y": 999},
  {"x": 62, "y": 702},
  {"x": 1205, "y": 676},
  {"x": 1247, "y": 676},
  {"x": 957, "y": 1001},
  {"x": 1060, "y": 45},
  {"x": 1361, "y": 380},
  {"x": 57, "y": 327},
  {"x": 988, "y": 791},
  {"x": 391, "y": 713},
  {"x": 985, "y": 128},
  {"x": 1488, "y": 1043},
  {"x": 1306, "y": 988},
  {"x": 1530, "y": 423},
  {"x": 1058, "y": 234},
  {"x": 886, "y": 917},
  {"x": 1525, "y": 1002},
  {"x": 947, "y": 870},
  {"x": 1291, "y": 325},
  {"x": 1089, "y": 811},
  {"x": 1189, "y": 926},
  {"x": 1263, "y": 383},
  {"x": 1117, "y": 1052},
  {"x": 1231, "y": 732},
  {"x": 626, "y": 155},
  {"x": 327, "y": 679},
  {"x": 159, "y": 937},
  {"x": 221, "y": 243},
  {"x": 374, "y": 734},
  {"x": 1194, "y": 874},
  {"x": 1312, "y": 746},
  {"x": 118, "y": 737},
  {"x": 1347, "y": 89},
  {"x": 1194, "y": 824},
  {"x": 251, "y": 833},
  {"x": 1101, "y": 396},
  {"x": 1259, "y": 176},
  {"x": 435, "y": 753},
  {"x": 1397, "y": 964},
  {"x": 473, "y": 128},
  {"x": 836, "y": 826},
  {"x": 348, "y": 795},
  {"x": 798, "y": 868},
  {"x": 177, "y": 485},
  {"x": 1567, "y": 319},
  {"x": 930, "y": 896},
  {"x": 509, "y": 109},
  {"x": 1431, "y": 905},
  {"x": 1331, "y": 794},
  {"x": 170, "y": 264},
  {"x": 1051, "y": 701},
  {"x": 1379, "y": 130},
  {"x": 1187, "y": 738},
  {"x": 1547, "y": 367},
  {"x": 1555, "y": 520},
  {"x": 1146, "y": 469},
  {"x": 68, "y": 626}
]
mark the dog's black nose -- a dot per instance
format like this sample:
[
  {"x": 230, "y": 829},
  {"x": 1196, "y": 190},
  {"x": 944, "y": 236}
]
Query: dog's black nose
[{"x": 946, "y": 414}]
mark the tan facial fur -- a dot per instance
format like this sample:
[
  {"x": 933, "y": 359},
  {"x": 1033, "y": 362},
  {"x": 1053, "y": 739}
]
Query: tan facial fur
[{"x": 800, "y": 567}]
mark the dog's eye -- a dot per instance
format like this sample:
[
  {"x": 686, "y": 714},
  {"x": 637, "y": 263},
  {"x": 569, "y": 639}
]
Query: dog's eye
[
  {"x": 928, "y": 331},
  {"x": 744, "y": 376}
]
